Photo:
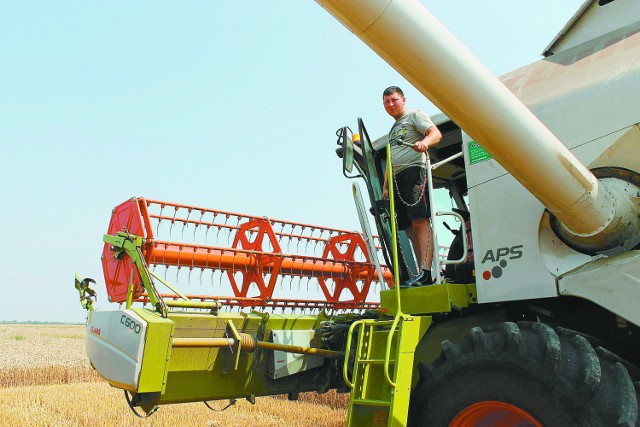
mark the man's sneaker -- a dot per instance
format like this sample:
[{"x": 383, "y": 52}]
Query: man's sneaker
[
  {"x": 408, "y": 284},
  {"x": 425, "y": 278},
  {"x": 411, "y": 283}
]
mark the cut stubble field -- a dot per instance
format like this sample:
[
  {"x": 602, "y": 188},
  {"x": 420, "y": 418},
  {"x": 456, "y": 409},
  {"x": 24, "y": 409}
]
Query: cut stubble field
[{"x": 46, "y": 380}]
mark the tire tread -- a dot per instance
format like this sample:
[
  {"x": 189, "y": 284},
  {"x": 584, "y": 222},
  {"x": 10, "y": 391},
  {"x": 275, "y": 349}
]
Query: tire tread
[{"x": 589, "y": 385}]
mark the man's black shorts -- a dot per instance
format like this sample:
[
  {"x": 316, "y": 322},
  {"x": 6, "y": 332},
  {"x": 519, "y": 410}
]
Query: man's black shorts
[{"x": 408, "y": 189}]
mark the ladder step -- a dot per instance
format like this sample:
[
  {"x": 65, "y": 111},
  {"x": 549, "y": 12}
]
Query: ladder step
[
  {"x": 374, "y": 361},
  {"x": 371, "y": 402}
]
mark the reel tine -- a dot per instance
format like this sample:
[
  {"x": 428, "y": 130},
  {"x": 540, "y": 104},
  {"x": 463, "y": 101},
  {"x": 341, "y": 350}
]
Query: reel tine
[
  {"x": 301, "y": 234},
  {"x": 193, "y": 254},
  {"x": 163, "y": 256},
  {"x": 173, "y": 221},
  {"x": 309, "y": 238},
  {"x": 220, "y": 267},
  {"x": 315, "y": 246},
  {"x": 220, "y": 227},
  {"x": 212, "y": 224},
  {"x": 200, "y": 222},
  {"x": 185, "y": 223},
  {"x": 236, "y": 228}
]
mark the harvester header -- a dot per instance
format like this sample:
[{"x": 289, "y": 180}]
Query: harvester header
[{"x": 252, "y": 254}]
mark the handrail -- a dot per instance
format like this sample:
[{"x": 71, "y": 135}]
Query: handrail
[
  {"x": 347, "y": 350},
  {"x": 438, "y": 263},
  {"x": 394, "y": 232},
  {"x": 430, "y": 194},
  {"x": 396, "y": 274},
  {"x": 463, "y": 230},
  {"x": 445, "y": 161},
  {"x": 387, "y": 352}
]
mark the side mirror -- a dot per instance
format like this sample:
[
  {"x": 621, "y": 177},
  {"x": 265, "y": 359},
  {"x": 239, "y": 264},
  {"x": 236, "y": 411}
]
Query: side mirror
[
  {"x": 346, "y": 150},
  {"x": 346, "y": 137}
]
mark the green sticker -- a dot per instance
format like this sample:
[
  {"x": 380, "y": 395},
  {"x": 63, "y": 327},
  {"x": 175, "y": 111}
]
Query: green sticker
[{"x": 477, "y": 154}]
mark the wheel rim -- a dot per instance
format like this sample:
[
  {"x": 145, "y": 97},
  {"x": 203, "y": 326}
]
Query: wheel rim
[{"x": 493, "y": 414}]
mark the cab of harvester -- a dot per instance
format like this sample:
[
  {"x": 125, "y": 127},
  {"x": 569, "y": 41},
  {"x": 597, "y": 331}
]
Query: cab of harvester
[{"x": 533, "y": 318}]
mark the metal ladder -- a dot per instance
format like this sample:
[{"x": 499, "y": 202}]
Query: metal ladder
[{"x": 379, "y": 398}]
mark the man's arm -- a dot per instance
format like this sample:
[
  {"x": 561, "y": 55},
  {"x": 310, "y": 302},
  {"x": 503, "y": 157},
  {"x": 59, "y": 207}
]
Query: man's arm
[
  {"x": 385, "y": 187},
  {"x": 432, "y": 137}
]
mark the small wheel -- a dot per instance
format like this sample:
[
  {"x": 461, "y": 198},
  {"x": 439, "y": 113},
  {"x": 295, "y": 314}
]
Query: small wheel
[
  {"x": 230, "y": 404},
  {"x": 133, "y": 401},
  {"x": 526, "y": 375}
]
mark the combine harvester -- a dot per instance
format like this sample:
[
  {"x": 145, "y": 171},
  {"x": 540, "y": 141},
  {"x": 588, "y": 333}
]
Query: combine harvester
[{"x": 545, "y": 334}]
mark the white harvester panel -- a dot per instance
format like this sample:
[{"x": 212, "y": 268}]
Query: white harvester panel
[
  {"x": 115, "y": 345},
  {"x": 285, "y": 363},
  {"x": 512, "y": 236},
  {"x": 505, "y": 220}
]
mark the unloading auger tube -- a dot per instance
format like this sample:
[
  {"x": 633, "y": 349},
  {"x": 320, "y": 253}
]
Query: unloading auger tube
[{"x": 594, "y": 216}]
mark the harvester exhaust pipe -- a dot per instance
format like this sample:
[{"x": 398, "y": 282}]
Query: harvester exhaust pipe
[{"x": 594, "y": 216}]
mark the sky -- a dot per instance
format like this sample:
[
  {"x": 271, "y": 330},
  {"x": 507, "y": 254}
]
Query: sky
[{"x": 228, "y": 105}]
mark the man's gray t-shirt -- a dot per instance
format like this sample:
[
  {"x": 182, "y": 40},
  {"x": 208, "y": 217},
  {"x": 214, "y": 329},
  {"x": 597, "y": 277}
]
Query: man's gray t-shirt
[{"x": 412, "y": 128}]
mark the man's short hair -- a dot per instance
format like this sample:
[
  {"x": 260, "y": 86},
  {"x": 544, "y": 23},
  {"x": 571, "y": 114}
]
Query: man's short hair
[{"x": 391, "y": 90}]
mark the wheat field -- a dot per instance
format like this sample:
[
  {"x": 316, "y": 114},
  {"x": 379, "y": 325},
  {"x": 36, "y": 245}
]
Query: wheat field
[{"x": 46, "y": 380}]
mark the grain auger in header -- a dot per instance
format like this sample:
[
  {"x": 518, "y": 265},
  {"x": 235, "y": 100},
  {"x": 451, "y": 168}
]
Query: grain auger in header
[{"x": 233, "y": 305}]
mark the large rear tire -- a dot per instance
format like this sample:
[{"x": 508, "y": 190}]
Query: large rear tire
[{"x": 525, "y": 374}]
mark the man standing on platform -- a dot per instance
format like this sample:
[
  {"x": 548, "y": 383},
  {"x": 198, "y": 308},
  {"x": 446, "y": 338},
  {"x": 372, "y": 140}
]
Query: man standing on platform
[{"x": 417, "y": 133}]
